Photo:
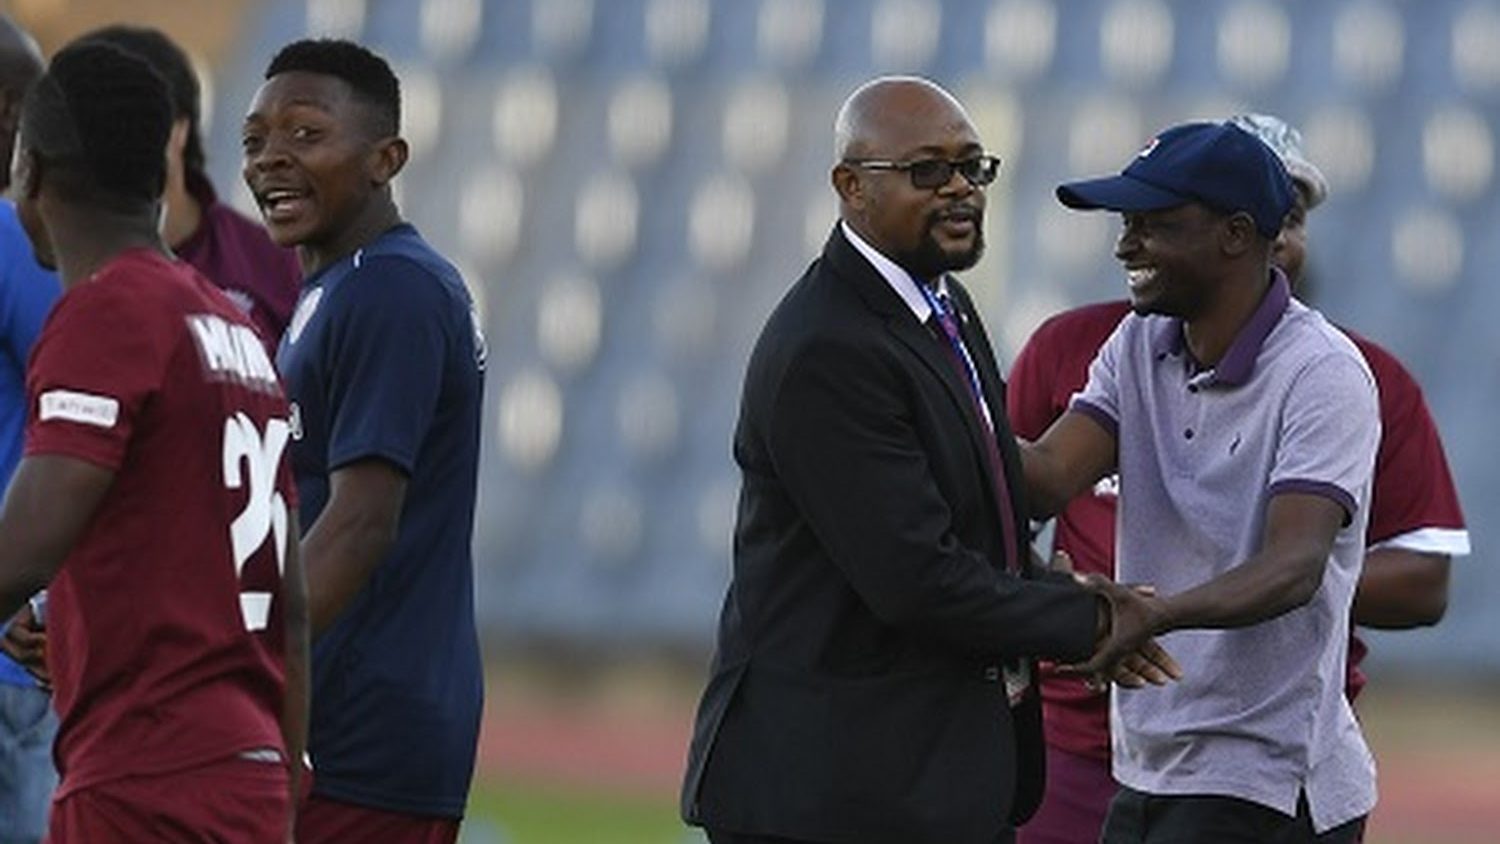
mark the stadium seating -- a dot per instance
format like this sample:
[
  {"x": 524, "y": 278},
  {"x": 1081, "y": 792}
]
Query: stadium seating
[{"x": 629, "y": 186}]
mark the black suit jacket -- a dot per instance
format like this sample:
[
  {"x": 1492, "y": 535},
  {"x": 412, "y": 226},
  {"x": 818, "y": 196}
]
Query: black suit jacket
[{"x": 855, "y": 694}]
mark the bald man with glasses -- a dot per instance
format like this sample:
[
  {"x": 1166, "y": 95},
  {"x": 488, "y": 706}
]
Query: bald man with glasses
[{"x": 873, "y": 676}]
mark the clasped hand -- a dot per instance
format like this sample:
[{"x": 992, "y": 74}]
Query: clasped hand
[{"x": 1125, "y": 651}]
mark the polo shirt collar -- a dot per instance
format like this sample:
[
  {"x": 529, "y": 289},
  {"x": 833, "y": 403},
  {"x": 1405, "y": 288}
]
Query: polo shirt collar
[{"x": 1238, "y": 363}]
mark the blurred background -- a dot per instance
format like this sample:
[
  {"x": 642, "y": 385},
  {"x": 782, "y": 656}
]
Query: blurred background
[{"x": 630, "y": 185}]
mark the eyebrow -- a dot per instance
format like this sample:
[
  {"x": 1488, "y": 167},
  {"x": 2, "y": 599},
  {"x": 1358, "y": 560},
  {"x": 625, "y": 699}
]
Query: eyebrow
[
  {"x": 303, "y": 102},
  {"x": 310, "y": 102},
  {"x": 937, "y": 151}
]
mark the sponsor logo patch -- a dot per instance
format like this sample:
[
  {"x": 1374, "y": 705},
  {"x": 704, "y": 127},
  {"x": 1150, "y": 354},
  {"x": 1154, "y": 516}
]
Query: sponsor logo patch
[{"x": 84, "y": 408}]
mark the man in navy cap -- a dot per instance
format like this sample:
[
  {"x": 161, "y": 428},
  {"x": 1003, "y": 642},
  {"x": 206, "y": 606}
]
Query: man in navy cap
[
  {"x": 1416, "y": 522},
  {"x": 1244, "y": 428}
]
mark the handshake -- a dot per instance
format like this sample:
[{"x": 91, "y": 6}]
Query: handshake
[{"x": 1125, "y": 651}]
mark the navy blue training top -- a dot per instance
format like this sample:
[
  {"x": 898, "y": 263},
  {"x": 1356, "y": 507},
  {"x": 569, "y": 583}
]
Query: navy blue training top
[{"x": 383, "y": 359}]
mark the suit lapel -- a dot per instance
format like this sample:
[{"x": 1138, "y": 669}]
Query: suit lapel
[
  {"x": 928, "y": 347},
  {"x": 994, "y": 390},
  {"x": 978, "y": 344}
]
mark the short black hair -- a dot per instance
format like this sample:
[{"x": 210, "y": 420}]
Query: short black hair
[
  {"x": 99, "y": 119},
  {"x": 167, "y": 59},
  {"x": 369, "y": 75}
]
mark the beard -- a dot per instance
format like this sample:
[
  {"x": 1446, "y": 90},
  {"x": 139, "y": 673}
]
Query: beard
[{"x": 929, "y": 260}]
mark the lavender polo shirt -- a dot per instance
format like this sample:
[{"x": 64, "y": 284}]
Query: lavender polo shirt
[{"x": 1260, "y": 713}]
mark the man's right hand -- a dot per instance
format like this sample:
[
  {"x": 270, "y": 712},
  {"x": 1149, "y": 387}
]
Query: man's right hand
[
  {"x": 1126, "y": 653},
  {"x": 26, "y": 642}
]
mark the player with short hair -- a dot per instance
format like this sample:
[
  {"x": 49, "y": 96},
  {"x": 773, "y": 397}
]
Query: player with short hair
[
  {"x": 384, "y": 365},
  {"x": 154, "y": 494}
]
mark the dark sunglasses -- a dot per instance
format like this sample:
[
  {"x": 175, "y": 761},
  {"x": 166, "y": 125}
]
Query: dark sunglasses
[{"x": 930, "y": 173}]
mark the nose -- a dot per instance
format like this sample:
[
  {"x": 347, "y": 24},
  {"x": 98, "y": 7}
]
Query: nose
[
  {"x": 268, "y": 155},
  {"x": 957, "y": 185}
]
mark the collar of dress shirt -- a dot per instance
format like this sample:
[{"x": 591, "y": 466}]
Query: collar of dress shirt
[{"x": 899, "y": 279}]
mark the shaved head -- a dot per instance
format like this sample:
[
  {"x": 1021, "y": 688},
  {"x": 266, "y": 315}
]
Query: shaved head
[
  {"x": 888, "y": 108},
  {"x": 886, "y": 128}
]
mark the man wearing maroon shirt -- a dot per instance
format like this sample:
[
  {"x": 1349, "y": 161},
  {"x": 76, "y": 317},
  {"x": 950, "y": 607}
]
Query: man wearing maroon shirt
[
  {"x": 1415, "y": 520},
  {"x": 153, "y": 496},
  {"x": 230, "y": 249}
]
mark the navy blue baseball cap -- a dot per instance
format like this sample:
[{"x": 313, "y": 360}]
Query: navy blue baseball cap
[{"x": 1217, "y": 164}]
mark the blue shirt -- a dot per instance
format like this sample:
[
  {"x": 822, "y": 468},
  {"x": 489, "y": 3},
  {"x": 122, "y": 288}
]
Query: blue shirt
[
  {"x": 26, "y": 295},
  {"x": 383, "y": 360}
]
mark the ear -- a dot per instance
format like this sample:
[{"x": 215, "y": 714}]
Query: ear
[
  {"x": 26, "y": 174},
  {"x": 848, "y": 185},
  {"x": 386, "y": 160},
  {"x": 177, "y": 140},
  {"x": 1237, "y": 234}
]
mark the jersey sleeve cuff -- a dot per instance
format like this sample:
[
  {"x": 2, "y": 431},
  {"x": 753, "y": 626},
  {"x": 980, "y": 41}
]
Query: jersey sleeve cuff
[
  {"x": 1098, "y": 414},
  {"x": 402, "y": 461},
  {"x": 1453, "y": 542},
  {"x": 1333, "y": 492},
  {"x": 101, "y": 455}
]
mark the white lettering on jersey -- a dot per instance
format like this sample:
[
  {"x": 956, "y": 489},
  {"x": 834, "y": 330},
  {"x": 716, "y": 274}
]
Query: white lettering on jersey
[
  {"x": 265, "y": 512},
  {"x": 306, "y": 306},
  {"x": 73, "y": 406},
  {"x": 1107, "y": 487},
  {"x": 233, "y": 351}
]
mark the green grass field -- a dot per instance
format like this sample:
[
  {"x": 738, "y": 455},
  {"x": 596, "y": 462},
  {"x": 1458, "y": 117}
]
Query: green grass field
[
  {"x": 518, "y": 813},
  {"x": 598, "y": 760}
]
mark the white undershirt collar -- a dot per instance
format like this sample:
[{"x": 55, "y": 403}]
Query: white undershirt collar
[{"x": 899, "y": 279}]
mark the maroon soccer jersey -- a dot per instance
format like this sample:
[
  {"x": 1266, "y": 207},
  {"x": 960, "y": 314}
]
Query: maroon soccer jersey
[
  {"x": 237, "y": 255},
  {"x": 1414, "y": 504},
  {"x": 165, "y": 641}
]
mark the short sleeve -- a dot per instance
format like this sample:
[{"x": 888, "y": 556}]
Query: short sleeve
[
  {"x": 92, "y": 373},
  {"x": 1029, "y": 393},
  {"x": 387, "y": 359},
  {"x": 1100, "y": 397},
  {"x": 1415, "y": 504},
  {"x": 1330, "y": 428}
]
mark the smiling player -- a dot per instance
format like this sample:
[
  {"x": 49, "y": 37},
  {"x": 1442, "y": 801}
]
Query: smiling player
[{"x": 384, "y": 367}]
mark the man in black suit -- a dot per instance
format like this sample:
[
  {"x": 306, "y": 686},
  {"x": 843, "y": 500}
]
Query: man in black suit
[{"x": 872, "y": 679}]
